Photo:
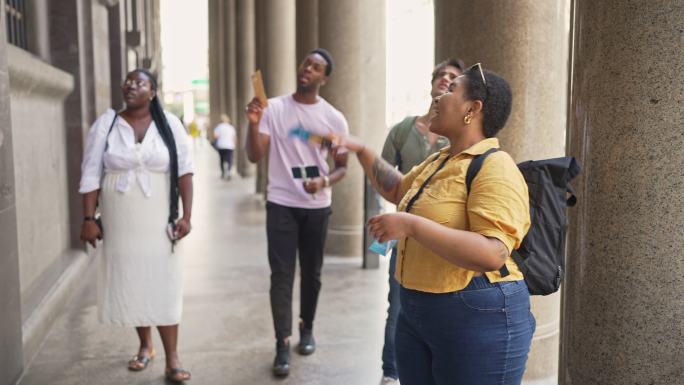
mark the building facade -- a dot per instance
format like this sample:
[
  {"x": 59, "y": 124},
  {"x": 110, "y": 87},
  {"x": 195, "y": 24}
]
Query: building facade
[
  {"x": 61, "y": 66},
  {"x": 601, "y": 81}
]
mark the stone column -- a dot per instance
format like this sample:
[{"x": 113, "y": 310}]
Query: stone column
[
  {"x": 219, "y": 73},
  {"x": 215, "y": 68},
  {"x": 117, "y": 52},
  {"x": 261, "y": 180},
  {"x": 527, "y": 43},
  {"x": 277, "y": 55},
  {"x": 623, "y": 308},
  {"x": 229, "y": 59},
  {"x": 307, "y": 27},
  {"x": 346, "y": 29},
  {"x": 373, "y": 75},
  {"x": 11, "y": 345},
  {"x": 245, "y": 66},
  {"x": 340, "y": 33}
]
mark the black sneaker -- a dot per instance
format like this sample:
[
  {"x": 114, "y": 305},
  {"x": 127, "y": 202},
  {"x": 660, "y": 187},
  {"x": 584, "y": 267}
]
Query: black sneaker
[
  {"x": 281, "y": 363},
  {"x": 307, "y": 344}
]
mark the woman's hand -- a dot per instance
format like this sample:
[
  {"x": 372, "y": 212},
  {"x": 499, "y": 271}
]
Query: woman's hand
[
  {"x": 349, "y": 142},
  {"x": 254, "y": 110},
  {"x": 90, "y": 232},
  {"x": 182, "y": 228},
  {"x": 386, "y": 227}
]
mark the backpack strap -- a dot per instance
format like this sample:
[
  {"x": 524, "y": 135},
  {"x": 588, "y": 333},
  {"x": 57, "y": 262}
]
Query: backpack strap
[
  {"x": 403, "y": 130},
  {"x": 475, "y": 166},
  {"x": 116, "y": 115},
  {"x": 473, "y": 169}
]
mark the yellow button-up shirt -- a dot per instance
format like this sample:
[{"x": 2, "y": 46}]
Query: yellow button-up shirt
[{"x": 497, "y": 207}]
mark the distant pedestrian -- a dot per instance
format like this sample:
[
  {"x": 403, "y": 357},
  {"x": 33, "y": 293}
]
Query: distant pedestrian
[
  {"x": 225, "y": 138},
  {"x": 195, "y": 133}
]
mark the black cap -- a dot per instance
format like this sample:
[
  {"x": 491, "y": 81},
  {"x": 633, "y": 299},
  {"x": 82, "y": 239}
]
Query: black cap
[{"x": 328, "y": 59}]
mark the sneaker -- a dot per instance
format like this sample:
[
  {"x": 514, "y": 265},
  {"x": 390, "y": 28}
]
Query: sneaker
[
  {"x": 281, "y": 363},
  {"x": 389, "y": 381},
  {"x": 307, "y": 344}
]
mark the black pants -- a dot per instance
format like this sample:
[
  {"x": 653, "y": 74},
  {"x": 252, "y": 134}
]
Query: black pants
[
  {"x": 225, "y": 156},
  {"x": 289, "y": 229}
]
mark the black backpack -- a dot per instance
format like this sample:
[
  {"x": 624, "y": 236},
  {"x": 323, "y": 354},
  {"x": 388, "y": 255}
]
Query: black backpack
[{"x": 541, "y": 256}]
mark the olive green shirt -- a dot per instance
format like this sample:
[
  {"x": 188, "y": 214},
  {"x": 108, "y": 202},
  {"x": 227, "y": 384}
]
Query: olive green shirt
[{"x": 406, "y": 147}]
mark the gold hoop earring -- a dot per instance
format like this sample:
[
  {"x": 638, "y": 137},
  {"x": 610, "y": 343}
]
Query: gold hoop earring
[{"x": 468, "y": 118}]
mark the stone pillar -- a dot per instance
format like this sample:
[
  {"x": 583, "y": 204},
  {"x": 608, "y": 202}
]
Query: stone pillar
[
  {"x": 622, "y": 302},
  {"x": 245, "y": 66},
  {"x": 345, "y": 29},
  {"x": 117, "y": 52},
  {"x": 307, "y": 27},
  {"x": 261, "y": 180},
  {"x": 214, "y": 64},
  {"x": 277, "y": 55},
  {"x": 229, "y": 59},
  {"x": 340, "y": 33},
  {"x": 527, "y": 43},
  {"x": 11, "y": 364},
  {"x": 373, "y": 77}
]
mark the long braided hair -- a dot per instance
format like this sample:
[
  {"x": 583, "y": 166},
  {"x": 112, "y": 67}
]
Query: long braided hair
[{"x": 166, "y": 134}]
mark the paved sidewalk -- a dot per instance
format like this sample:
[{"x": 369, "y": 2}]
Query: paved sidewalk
[{"x": 226, "y": 336}]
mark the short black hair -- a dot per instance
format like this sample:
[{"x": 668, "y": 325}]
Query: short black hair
[
  {"x": 327, "y": 57},
  {"x": 452, "y": 62},
  {"x": 495, "y": 95}
]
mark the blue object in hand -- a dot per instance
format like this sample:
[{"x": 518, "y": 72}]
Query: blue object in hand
[
  {"x": 382, "y": 248},
  {"x": 301, "y": 133}
]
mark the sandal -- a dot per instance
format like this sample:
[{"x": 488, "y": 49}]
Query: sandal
[
  {"x": 140, "y": 362},
  {"x": 177, "y": 375}
]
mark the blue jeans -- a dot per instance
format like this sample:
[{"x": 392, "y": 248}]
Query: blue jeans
[
  {"x": 389, "y": 366},
  {"x": 478, "y": 335}
]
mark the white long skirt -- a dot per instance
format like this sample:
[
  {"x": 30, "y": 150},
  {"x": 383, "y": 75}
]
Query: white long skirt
[{"x": 140, "y": 279}]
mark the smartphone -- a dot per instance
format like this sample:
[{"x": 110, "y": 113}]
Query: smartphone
[
  {"x": 171, "y": 231},
  {"x": 312, "y": 172},
  {"x": 307, "y": 172}
]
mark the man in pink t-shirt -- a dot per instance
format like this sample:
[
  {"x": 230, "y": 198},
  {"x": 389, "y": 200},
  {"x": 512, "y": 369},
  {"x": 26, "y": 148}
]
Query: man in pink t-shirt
[{"x": 297, "y": 208}]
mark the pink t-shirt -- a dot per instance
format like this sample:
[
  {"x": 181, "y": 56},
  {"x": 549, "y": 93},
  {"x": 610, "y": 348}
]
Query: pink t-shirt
[{"x": 282, "y": 115}]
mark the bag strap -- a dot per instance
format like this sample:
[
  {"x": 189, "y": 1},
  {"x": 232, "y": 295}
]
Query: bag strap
[
  {"x": 473, "y": 169},
  {"x": 422, "y": 187},
  {"x": 116, "y": 115},
  {"x": 403, "y": 130},
  {"x": 475, "y": 166}
]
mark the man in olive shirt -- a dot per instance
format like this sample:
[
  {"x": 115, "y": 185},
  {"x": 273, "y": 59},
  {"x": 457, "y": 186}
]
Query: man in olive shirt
[{"x": 408, "y": 144}]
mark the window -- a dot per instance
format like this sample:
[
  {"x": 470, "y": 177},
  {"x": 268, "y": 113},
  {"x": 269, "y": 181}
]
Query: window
[{"x": 15, "y": 12}]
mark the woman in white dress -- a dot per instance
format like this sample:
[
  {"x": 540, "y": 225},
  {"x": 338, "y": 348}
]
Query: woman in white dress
[{"x": 137, "y": 163}]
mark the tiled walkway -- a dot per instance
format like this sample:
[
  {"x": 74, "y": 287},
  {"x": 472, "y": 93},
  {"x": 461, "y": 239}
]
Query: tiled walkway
[{"x": 226, "y": 335}]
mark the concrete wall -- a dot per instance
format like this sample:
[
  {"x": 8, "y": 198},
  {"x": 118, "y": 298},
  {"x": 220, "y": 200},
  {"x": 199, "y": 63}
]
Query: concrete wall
[
  {"x": 10, "y": 322},
  {"x": 101, "y": 61},
  {"x": 49, "y": 96},
  {"x": 37, "y": 92}
]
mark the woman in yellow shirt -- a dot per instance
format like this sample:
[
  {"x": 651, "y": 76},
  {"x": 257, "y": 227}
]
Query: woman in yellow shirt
[{"x": 462, "y": 320}]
